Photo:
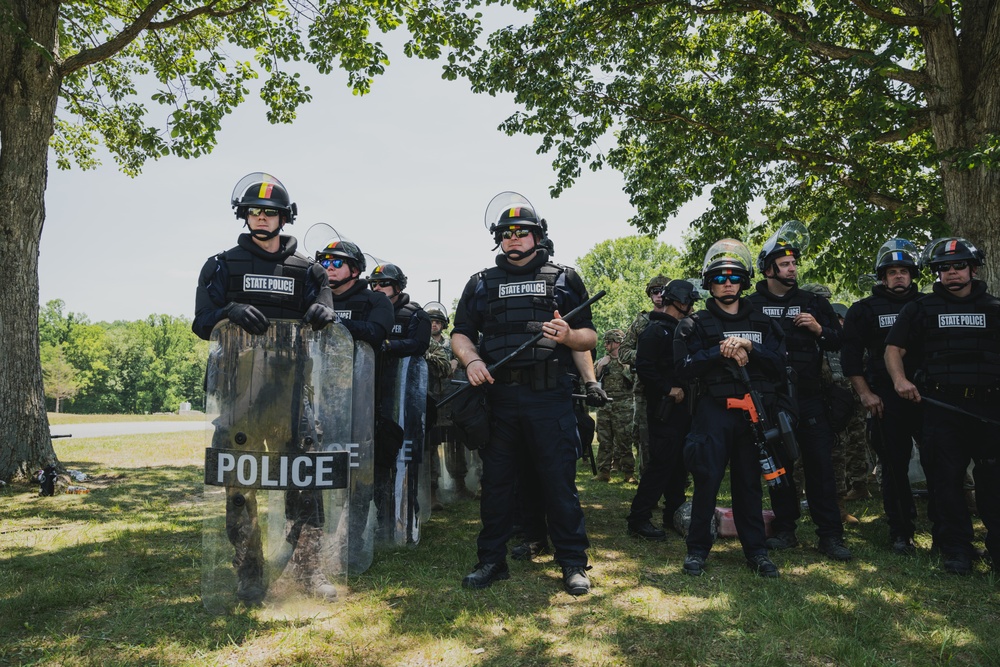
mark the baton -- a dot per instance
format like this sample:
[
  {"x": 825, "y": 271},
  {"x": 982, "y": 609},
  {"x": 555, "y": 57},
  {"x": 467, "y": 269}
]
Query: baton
[
  {"x": 524, "y": 346},
  {"x": 955, "y": 408}
]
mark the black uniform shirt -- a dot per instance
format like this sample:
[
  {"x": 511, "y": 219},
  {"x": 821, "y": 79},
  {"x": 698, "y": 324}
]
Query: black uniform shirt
[
  {"x": 654, "y": 356},
  {"x": 866, "y": 325},
  {"x": 367, "y": 314},
  {"x": 417, "y": 337}
]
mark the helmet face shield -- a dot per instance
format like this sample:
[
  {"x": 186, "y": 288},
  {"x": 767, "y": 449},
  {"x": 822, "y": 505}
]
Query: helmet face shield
[
  {"x": 896, "y": 252},
  {"x": 261, "y": 190},
  {"x": 437, "y": 312},
  {"x": 727, "y": 257},
  {"x": 510, "y": 210},
  {"x": 792, "y": 239}
]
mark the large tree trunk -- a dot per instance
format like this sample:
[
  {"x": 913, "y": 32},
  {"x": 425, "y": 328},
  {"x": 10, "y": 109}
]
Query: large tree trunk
[
  {"x": 29, "y": 91},
  {"x": 964, "y": 100}
]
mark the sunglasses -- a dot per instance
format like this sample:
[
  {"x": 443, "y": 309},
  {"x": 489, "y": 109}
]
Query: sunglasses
[
  {"x": 508, "y": 234},
  {"x": 335, "y": 262},
  {"x": 380, "y": 283},
  {"x": 958, "y": 266},
  {"x": 269, "y": 212},
  {"x": 655, "y": 291},
  {"x": 722, "y": 280}
]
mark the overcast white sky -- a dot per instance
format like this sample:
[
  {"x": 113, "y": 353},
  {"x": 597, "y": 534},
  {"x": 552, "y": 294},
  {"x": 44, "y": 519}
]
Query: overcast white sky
[{"x": 406, "y": 172}]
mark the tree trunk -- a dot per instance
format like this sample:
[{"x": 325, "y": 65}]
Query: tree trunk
[
  {"x": 29, "y": 91},
  {"x": 964, "y": 99}
]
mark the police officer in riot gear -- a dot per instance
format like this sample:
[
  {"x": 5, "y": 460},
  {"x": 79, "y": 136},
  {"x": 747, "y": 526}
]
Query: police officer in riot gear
[
  {"x": 708, "y": 347},
  {"x": 411, "y": 333},
  {"x": 895, "y": 422},
  {"x": 264, "y": 277},
  {"x": 531, "y": 397},
  {"x": 954, "y": 333},
  {"x": 367, "y": 314},
  {"x": 667, "y": 412},
  {"x": 810, "y": 327}
]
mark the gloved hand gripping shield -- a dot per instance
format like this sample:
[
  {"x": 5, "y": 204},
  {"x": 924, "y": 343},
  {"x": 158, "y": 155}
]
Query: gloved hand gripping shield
[{"x": 278, "y": 464}]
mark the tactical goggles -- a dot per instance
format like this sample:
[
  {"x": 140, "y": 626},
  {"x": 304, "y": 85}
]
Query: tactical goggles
[
  {"x": 508, "y": 234},
  {"x": 948, "y": 266},
  {"x": 723, "y": 279},
  {"x": 335, "y": 262},
  {"x": 269, "y": 212},
  {"x": 381, "y": 283},
  {"x": 656, "y": 291}
]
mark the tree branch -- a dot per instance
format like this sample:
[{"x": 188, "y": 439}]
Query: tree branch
[{"x": 901, "y": 20}]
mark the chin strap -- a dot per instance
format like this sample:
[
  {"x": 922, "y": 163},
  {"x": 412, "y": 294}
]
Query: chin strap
[
  {"x": 260, "y": 234},
  {"x": 729, "y": 298},
  {"x": 517, "y": 255},
  {"x": 787, "y": 282}
]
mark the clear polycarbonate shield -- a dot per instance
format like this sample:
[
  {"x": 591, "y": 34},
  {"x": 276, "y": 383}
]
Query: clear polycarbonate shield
[
  {"x": 436, "y": 306},
  {"x": 728, "y": 250},
  {"x": 402, "y": 488},
  {"x": 251, "y": 179},
  {"x": 504, "y": 202},
  {"x": 277, "y": 465},
  {"x": 459, "y": 471},
  {"x": 318, "y": 237},
  {"x": 361, "y": 519},
  {"x": 793, "y": 233},
  {"x": 896, "y": 251}
]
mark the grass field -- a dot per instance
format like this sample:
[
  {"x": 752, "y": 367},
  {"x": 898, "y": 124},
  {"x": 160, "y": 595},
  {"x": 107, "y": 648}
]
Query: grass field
[
  {"x": 67, "y": 418},
  {"x": 113, "y": 578}
]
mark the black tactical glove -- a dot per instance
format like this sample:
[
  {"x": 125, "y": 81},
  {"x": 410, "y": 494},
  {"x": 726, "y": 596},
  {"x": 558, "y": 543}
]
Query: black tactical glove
[
  {"x": 247, "y": 317},
  {"x": 319, "y": 316},
  {"x": 596, "y": 398}
]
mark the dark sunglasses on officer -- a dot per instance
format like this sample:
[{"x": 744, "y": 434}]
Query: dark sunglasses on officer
[
  {"x": 254, "y": 211},
  {"x": 335, "y": 262},
  {"x": 380, "y": 283},
  {"x": 948, "y": 266},
  {"x": 722, "y": 279},
  {"x": 519, "y": 233}
]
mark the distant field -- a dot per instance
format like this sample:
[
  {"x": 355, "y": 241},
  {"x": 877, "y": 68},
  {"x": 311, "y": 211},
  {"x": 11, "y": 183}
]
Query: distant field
[{"x": 66, "y": 418}]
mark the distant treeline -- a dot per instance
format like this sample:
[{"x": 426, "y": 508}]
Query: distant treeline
[{"x": 146, "y": 366}]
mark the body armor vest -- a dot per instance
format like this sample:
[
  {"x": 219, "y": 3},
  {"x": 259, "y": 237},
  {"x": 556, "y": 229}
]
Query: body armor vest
[
  {"x": 616, "y": 379},
  {"x": 353, "y": 304},
  {"x": 961, "y": 345},
  {"x": 880, "y": 313},
  {"x": 516, "y": 307},
  {"x": 804, "y": 354},
  {"x": 665, "y": 360},
  {"x": 276, "y": 288},
  {"x": 720, "y": 382},
  {"x": 401, "y": 327}
]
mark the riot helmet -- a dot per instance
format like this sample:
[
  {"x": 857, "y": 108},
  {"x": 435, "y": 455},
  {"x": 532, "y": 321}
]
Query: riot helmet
[
  {"x": 512, "y": 212},
  {"x": 944, "y": 252},
  {"x": 388, "y": 272},
  {"x": 659, "y": 280},
  {"x": 897, "y": 252},
  {"x": 437, "y": 312},
  {"x": 730, "y": 258},
  {"x": 260, "y": 190},
  {"x": 345, "y": 250},
  {"x": 817, "y": 289},
  {"x": 792, "y": 239}
]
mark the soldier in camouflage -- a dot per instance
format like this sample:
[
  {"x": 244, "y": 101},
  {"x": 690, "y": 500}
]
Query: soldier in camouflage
[
  {"x": 654, "y": 288},
  {"x": 615, "y": 420}
]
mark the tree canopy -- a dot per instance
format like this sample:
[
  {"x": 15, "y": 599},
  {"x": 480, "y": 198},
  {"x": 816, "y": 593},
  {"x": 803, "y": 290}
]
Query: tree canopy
[{"x": 867, "y": 119}]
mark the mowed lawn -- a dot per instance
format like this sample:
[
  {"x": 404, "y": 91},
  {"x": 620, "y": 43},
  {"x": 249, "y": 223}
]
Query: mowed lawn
[{"x": 113, "y": 578}]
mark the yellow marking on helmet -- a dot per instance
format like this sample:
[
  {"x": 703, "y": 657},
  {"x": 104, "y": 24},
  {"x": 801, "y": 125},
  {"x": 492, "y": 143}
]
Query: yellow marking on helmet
[{"x": 265, "y": 190}]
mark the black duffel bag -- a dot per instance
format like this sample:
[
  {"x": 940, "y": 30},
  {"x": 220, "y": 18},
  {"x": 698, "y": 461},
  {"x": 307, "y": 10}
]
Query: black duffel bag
[{"x": 470, "y": 417}]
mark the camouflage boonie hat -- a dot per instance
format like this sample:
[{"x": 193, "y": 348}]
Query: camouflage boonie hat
[
  {"x": 614, "y": 336},
  {"x": 817, "y": 289}
]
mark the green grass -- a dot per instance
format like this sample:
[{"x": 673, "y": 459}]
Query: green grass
[
  {"x": 113, "y": 578},
  {"x": 68, "y": 418}
]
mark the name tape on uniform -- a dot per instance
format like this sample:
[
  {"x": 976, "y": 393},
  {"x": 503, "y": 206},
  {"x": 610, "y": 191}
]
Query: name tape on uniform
[
  {"x": 343, "y": 314},
  {"x": 279, "y": 471},
  {"x": 775, "y": 311},
  {"x": 533, "y": 288},
  {"x": 752, "y": 336},
  {"x": 271, "y": 284},
  {"x": 962, "y": 320}
]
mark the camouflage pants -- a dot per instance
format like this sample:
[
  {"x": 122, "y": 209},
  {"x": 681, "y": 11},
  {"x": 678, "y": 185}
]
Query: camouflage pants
[
  {"x": 850, "y": 454},
  {"x": 615, "y": 428}
]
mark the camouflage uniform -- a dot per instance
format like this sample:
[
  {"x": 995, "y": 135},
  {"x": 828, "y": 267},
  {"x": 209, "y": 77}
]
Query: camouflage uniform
[
  {"x": 615, "y": 421},
  {"x": 626, "y": 353}
]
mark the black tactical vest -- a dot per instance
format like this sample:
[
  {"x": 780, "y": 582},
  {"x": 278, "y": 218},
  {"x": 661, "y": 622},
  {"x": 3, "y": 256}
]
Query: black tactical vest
[
  {"x": 720, "y": 382},
  {"x": 880, "y": 312},
  {"x": 961, "y": 346},
  {"x": 355, "y": 303},
  {"x": 275, "y": 287},
  {"x": 516, "y": 307},
  {"x": 401, "y": 327},
  {"x": 665, "y": 360}
]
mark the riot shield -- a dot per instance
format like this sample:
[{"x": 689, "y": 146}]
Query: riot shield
[
  {"x": 277, "y": 464},
  {"x": 459, "y": 470},
  {"x": 402, "y": 483}
]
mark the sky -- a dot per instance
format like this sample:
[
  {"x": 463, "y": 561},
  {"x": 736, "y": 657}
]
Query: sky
[{"x": 406, "y": 172}]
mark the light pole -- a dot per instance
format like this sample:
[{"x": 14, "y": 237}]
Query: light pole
[{"x": 438, "y": 281}]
